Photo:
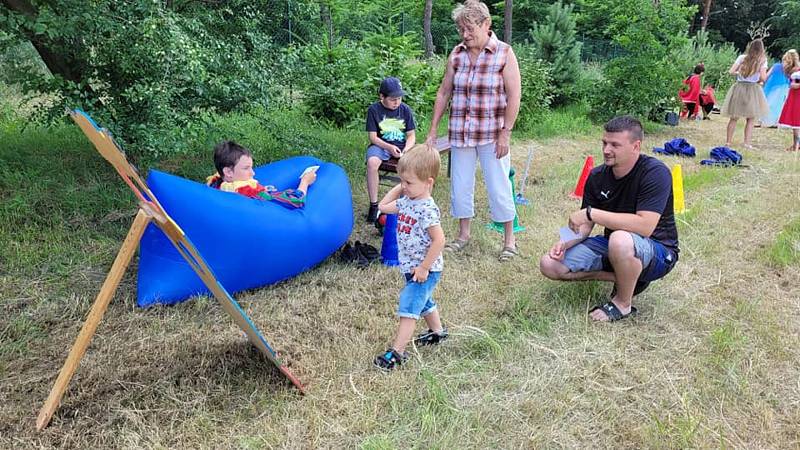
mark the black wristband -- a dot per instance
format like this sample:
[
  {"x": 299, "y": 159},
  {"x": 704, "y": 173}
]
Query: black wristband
[{"x": 589, "y": 213}]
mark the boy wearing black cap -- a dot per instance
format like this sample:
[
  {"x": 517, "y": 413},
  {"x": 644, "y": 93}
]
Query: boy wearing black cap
[{"x": 390, "y": 128}]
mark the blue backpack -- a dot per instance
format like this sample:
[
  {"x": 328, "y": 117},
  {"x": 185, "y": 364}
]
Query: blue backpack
[
  {"x": 723, "y": 156},
  {"x": 677, "y": 146}
]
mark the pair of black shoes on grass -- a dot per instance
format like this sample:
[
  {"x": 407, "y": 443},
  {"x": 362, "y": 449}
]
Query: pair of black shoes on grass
[
  {"x": 391, "y": 358},
  {"x": 360, "y": 254}
]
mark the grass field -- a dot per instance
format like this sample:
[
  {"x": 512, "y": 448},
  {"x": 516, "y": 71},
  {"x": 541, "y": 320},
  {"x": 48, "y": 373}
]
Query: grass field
[{"x": 712, "y": 360}]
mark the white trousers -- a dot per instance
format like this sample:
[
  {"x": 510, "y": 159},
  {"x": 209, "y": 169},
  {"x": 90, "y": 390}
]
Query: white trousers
[{"x": 495, "y": 176}]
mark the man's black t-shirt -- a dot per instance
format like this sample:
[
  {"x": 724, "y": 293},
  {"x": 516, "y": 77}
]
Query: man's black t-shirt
[{"x": 647, "y": 187}]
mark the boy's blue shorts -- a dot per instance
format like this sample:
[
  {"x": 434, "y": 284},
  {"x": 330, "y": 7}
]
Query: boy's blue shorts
[
  {"x": 591, "y": 255},
  {"x": 416, "y": 299},
  {"x": 374, "y": 150}
]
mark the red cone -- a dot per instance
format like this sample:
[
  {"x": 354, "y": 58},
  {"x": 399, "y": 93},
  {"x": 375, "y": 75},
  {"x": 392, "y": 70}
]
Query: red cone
[{"x": 587, "y": 167}]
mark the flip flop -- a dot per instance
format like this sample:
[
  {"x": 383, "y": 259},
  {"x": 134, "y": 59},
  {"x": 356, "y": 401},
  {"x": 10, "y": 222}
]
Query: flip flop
[
  {"x": 612, "y": 312},
  {"x": 456, "y": 245},
  {"x": 507, "y": 254}
]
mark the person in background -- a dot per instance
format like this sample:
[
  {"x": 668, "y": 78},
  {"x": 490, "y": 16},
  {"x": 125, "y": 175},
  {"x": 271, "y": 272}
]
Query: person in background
[
  {"x": 746, "y": 97},
  {"x": 691, "y": 96},
  {"x": 790, "y": 114},
  {"x": 390, "y": 129}
]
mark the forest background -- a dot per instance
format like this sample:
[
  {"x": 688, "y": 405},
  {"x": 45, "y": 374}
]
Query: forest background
[{"x": 161, "y": 74}]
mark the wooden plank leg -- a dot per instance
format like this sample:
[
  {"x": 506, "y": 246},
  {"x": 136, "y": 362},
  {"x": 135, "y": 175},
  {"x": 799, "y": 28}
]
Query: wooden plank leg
[{"x": 99, "y": 307}]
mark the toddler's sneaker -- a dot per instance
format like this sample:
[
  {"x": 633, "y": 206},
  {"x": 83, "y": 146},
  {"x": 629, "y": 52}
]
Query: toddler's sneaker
[
  {"x": 388, "y": 360},
  {"x": 431, "y": 337}
]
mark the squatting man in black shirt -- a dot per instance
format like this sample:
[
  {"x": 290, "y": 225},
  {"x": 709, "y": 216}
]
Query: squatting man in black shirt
[{"x": 630, "y": 195}]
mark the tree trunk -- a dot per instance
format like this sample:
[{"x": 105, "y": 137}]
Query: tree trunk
[
  {"x": 706, "y": 12},
  {"x": 426, "y": 28},
  {"x": 327, "y": 21},
  {"x": 507, "y": 21},
  {"x": 58, "y": 64}
]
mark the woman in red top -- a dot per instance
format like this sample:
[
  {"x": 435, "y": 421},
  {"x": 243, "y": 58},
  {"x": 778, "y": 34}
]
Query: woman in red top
[{"x": 691, "y": 98}]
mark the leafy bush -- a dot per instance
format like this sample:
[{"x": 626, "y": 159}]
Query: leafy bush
[
  {"x": 589, "y": 77},
  {"x": 555, "y": 43},
  {"x": 717, "y": 59},
  {"x": 537, "y": 86},
  {"x": 644, "y": 80},
  {"x": 6, "y": 106},
  {"x": 785, "y": 22},
  {"x": 146, "y": 69},
  {"x": 340, "y": 80}
]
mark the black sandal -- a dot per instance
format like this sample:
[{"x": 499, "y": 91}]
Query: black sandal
[
  {"x": 390, "y": 359},
  {"x": 612, "y": 312},
  {"x": 431, "y": 337}
]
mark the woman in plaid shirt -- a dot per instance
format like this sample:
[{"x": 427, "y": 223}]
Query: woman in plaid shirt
[{"x": 482, "y": 87}]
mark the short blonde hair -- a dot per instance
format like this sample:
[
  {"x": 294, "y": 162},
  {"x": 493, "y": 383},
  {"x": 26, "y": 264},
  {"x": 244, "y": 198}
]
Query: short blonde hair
[
  {"x": 472, "y": 11},
  {"x": 421, "y": 161}
]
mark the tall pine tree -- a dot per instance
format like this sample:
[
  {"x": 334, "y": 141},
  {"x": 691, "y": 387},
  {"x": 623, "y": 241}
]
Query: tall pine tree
[{"x": 555, "y": 43}]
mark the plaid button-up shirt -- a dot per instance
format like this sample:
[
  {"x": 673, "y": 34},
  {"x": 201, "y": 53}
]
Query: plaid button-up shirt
[{"x": 478, "y": 104}]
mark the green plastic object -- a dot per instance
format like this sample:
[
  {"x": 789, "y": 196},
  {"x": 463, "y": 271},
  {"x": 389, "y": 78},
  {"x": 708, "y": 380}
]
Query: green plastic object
[{"x": 498, "y": 226}]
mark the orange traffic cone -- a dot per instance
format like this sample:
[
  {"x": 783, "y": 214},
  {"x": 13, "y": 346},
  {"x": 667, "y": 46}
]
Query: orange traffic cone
[{"x": 587, "y": 167}]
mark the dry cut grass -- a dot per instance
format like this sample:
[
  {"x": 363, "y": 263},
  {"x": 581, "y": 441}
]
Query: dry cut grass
[{"x": 711, "y": 361}]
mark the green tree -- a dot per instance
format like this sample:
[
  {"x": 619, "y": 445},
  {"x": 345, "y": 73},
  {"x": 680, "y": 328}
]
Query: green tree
[
  {"x": 525, "y": 14},
  {"x": 785, "y": 27},
  {"x": 537, "y": 86},
  {"x": 729, "y": 20},
  {"x": 644, "y": 78},
  {"x": 717, "y": 59},
  {"x": 146, "y": 69},
  {"x": 555, "y": 43}
]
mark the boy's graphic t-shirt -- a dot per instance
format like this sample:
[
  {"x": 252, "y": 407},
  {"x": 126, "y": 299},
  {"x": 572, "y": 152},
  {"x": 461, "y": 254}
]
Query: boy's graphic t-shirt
[
  {"x": 414, "y": 217},
  {"x": 391, "y": 124}
]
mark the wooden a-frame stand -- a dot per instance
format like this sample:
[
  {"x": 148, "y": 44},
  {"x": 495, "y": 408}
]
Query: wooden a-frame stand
[{"x": 150, "y": 211}]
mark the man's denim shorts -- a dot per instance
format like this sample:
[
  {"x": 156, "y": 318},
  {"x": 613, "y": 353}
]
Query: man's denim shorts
[
  {"x": 374, "y": 150},
  {"x": 591, "y": 255},
  {"x": 416, "y": 299}
]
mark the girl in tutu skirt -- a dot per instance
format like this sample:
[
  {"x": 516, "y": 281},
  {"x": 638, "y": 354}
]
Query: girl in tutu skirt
[
  {"x": 746, "y": 97},
  {"x": 790, "y": 114}
]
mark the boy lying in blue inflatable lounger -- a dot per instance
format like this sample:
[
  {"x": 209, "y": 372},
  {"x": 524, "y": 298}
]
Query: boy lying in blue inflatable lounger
[{"x": 235, "y": 173}]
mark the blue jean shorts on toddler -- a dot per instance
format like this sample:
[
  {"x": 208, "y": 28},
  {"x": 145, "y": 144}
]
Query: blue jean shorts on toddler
[
  {"x": 374, "y": 150},
  {"x": 591, "y": 255},
  {"x": 416, "y": 299}
]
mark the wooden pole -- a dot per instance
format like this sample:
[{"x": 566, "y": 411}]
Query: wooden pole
[{"x": 104, "y": 297}]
